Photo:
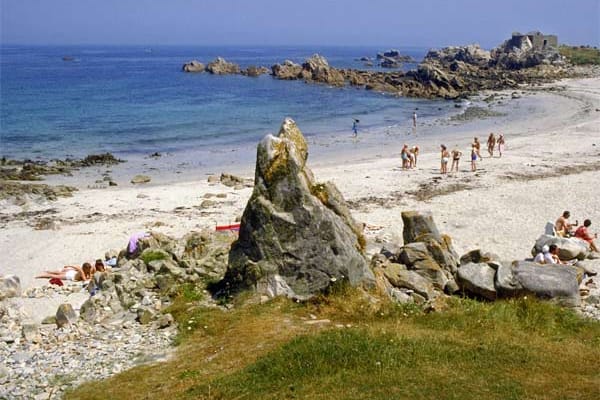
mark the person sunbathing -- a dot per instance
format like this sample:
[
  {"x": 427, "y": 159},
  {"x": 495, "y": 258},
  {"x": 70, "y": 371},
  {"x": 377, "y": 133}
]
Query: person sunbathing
[
  {"x": 70, "y": 273},
  {"x": 583, "y": 234}
]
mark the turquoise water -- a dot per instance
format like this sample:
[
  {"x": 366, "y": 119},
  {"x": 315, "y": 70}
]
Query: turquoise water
[{"x": 135, "y": 100}]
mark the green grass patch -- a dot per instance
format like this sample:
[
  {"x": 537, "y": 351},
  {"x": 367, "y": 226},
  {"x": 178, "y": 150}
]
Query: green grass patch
[
  {"x": 152, "y": 255},
  {"x": 365, "y": 347},
  {"x": 581, "y": 55}
]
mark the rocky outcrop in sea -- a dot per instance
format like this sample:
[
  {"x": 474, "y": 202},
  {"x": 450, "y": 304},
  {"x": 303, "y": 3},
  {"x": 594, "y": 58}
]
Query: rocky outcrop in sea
[{"x": 449, "y": 73}]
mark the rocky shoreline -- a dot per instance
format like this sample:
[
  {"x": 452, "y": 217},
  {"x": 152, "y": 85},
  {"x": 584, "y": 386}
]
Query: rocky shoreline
[{"x": 450, "y": 73}]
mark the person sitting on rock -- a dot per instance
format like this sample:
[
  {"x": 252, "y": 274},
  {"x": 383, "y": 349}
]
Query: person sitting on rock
[
  {"x": 70, "y": 273},
  {"x": 563, "y": 227},
  {"x": 583, "y": 234},
  {"x": 548, "y": 255}
]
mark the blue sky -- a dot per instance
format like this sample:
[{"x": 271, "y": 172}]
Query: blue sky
[{"x": 277, "y": 22}]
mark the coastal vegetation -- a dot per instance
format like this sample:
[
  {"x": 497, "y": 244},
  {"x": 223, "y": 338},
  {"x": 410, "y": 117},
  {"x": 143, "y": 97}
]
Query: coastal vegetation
[
  {"x": 581, "y": 55},
  {"x": 350, "y": 344}
]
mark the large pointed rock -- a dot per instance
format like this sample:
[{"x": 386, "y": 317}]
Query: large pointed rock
[{"x": 296, "y": 236}]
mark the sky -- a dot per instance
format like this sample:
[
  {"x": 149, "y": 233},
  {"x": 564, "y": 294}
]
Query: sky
[{"x": 419, "y": 23}]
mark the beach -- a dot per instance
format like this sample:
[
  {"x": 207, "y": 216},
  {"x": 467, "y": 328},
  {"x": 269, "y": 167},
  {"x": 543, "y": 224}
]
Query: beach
[{"x": 550, "y": 164}]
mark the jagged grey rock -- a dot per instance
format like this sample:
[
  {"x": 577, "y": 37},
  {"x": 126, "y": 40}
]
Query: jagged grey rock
[
  {"x": 296, "y": 236},
  {"x": 477, "y": 279},
  {"x": 551, "y": 281}
]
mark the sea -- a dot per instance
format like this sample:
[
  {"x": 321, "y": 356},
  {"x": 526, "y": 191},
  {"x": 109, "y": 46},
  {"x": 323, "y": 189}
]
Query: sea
[{"x": 70, "y": 101}]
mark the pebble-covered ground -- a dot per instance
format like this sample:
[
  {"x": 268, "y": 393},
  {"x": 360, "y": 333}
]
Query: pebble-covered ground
[{"x": 42, "y": 361}]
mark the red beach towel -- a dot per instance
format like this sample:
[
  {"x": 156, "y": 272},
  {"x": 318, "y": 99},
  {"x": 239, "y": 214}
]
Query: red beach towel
[{"x": 56, "y": 281}]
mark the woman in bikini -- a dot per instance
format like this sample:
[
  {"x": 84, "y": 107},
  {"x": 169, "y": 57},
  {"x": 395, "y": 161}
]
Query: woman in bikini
[
  {"x": 491, "y": 142},
  {"x": 70, "y": 273},
  {"x": 456, "y": 154}
]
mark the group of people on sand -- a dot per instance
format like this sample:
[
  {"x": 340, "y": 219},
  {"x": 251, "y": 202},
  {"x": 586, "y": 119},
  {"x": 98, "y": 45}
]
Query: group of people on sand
[
  {"x": 75, "y": 273},
  {"x": 563, "y": 228},
  {"x": 456, "y": 154},
  {"x": 409, "y": 156}
]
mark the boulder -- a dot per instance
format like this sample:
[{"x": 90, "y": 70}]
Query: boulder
[
  {"x": 140, "y": 179},
  {"x": 477, "y": 256},
  {"x": 254, "y": 71},
  {"x": 65, "y": 315},
  {"x": 477, "y": 279},
  {"x": 193, "y": 66},
  {"x": 317, "y": 68},
  {"x": 296, "y": 237},
  {"x": 418, "y": 226},
  {"x": 400, "y": 277},
  {"x": 569, "y": 248},
  {"x": 288, "y": 70},
  {"x": 552, "y": 281},
  {"x": 472, "y": 54},
  {"x": 10, "y": 286},
  {"x": 221, "y": 67}
]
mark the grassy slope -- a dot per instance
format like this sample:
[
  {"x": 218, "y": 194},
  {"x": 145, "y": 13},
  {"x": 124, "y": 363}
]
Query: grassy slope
[
  {"x": 581, "y": 55},
  {"x": 371, "y": 350}
]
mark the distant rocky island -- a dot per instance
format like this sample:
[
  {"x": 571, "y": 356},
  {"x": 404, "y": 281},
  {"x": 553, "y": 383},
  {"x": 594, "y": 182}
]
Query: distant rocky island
[{"x": 449, "y": 73}]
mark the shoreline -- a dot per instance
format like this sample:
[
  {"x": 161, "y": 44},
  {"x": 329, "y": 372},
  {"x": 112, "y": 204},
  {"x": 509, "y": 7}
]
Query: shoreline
[{"x": 95, "y": 220}]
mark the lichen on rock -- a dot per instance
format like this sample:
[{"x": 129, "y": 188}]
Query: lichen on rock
[{"x": 296, "y": 236}]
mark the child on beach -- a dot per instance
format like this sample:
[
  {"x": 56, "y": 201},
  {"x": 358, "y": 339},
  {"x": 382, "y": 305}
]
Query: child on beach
[
  {"x": 445, "y": 157},
  {"x": 491, "y": 142},
  {"x": 500, "y": 143},
  {"x": 456, "y": 155},
  {"x": 473, "y": 158},
  {"x": 70, "y": 273},
  {"x": 404, "y": 156},
  {"x": 355, "y": 127}
]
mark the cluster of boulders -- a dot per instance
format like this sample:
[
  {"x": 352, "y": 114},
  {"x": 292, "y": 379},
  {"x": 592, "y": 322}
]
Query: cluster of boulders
[
  {"x": 392, "y": 59},
  {"x": 448, "y": 73},
  {"x": 13, "y": 172},
  {"x": 220, "y": 66},
  {"x": 122, "y": 322},
  {"x": 297, "y": 238}
]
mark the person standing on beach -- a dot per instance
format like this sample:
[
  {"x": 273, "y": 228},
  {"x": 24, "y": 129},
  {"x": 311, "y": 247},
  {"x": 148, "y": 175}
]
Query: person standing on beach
[
  {"x": 477, "y": 145},
  {"x": 473, "y": 158},
  {"x": 445, "y": 157},
  {"x": 414, "y": 154},
  {"x": 500, "y": 144},
  {"x": 456, "y": 154},
  {"x": 414, "y": 120},
  {"x": 491, "y": 142},
  {"x": 355, "y": 127}
]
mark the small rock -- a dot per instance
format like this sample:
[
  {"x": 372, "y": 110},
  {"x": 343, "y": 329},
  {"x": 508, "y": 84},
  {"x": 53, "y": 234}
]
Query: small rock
[
  {"x": 165, "y": 320},
  {"x": 140, "y": 179},
  {"x": 10, "y": 286},
  {"x": 65, "y": 315}
]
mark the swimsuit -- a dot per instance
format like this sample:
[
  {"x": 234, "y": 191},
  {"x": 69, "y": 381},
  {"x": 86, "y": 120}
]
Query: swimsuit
[
  {"x": 70, "y": 274},
  {"x": 445, "y": 160},
  {"x": 474, "y": 157}
]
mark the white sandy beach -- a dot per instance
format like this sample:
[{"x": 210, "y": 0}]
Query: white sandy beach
[{"x": 502, "y": 208}]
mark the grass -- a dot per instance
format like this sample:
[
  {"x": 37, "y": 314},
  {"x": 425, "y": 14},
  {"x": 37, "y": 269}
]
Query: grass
[
  {"x": 370, "y": 349},
  {"x": 152, "y": 255},
  {"x": 581, "y": 55}
]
